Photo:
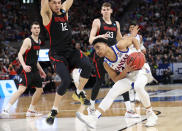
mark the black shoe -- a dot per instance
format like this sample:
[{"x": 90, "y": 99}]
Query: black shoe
[
  {"x": 51, "y": 116},
  {"x": 85, "y": 100},
  {"x": 81, "y": 97}
]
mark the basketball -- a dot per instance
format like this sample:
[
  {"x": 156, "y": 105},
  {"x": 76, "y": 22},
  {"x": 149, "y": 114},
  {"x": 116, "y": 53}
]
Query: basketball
[{"x": 137, "y": 59}]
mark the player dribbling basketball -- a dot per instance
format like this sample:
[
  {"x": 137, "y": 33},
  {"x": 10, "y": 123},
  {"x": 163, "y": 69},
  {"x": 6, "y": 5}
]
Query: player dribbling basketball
[{"x": 115, "y": 58}]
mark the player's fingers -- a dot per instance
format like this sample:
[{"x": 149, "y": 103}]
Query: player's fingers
[
  {"x": 130, "y": 63},
  {"x": 29, "y": 69},
  {"x": 136, "y": 27},
  {"x": 106, "y": 36},
  {"x": 133, "y": 67}
]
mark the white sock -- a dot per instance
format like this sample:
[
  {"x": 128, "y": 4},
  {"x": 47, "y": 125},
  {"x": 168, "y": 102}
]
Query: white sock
[
  {"x": 8, "y": 106},
  {"x": 128, "y": 106},
  {"x": 55, "y": 108},
  {"x": 98, "y": 114},
  {"x": 92, "y": 103},
  {"x": 149, "y": 109},
  {"x": 31, "y": 108},
  {"x": 78, "y": 91}
]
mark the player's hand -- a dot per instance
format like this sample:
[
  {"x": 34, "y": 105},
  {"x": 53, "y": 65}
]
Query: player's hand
[
  {"x": 42, "y": 74},
  {"x": 27, "y": 68},
  {"x": 105, "y": 36},
  {"x": 129, "y": 67},
  {"x": 135, "y": 30}
]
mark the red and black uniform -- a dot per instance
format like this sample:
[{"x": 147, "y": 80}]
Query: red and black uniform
[
  {"x": 62, "y": 52},
  {"x": 30, "y": 57},
  {"x": 111, "y": 30}
]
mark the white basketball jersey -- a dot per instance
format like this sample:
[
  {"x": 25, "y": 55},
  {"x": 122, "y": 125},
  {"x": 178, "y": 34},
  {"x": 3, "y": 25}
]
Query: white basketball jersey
[{"x": 121, "y": 58}]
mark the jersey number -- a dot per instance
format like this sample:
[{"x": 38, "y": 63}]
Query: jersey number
[
  {"x": 110, "y": 34},
  {"x": 64, "y": 26}
]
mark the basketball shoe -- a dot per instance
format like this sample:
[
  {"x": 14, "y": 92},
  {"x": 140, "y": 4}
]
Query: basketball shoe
[
  {"x": 91, "y": 110},
  {"x": 151, "y": 119},
  {"x": 5, "y": 112},
  {"x": 81, "y": 98},
  {"x": 51, "y": 117},
  {"x": 89, "y": 120},
  {"x": 131, "y": 114},
  {"x": 32, "y": 113}
]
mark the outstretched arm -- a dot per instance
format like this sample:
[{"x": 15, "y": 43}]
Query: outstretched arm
[
  {"x": 45, "y": 12},
  {"x": 142, "y": 47},
  {"x": 118, "y": 36},
  {"x": 125, "y": 42},
  {"x": 67, "y": 5}
]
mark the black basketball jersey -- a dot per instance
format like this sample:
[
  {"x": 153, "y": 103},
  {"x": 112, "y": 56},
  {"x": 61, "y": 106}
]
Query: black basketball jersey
[
  {"x": 110, "y": 29},
  {"x": 31, "y": 55},
  {"x": 60, "y": 34}
]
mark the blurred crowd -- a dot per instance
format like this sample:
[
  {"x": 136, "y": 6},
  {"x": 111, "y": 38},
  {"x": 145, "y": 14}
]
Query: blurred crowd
[
  {"x": 14, "y": 24},
  {"x": 160, "y": 22},
  {"x": 161, "y": 28},
  {"x": 9, "y": 63}
]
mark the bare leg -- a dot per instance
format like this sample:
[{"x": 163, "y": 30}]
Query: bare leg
[
  {"x": 57, "y": 101},
  {"x": 82, "y": 83},
  {"x": 36, "y": 96},
  {"x": 14, "y": 97},
  {"x": 17, "y": 94}
]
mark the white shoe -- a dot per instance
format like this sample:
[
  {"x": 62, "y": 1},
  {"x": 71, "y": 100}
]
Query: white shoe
[
  {"x": 32, "y": 113},
  {"x": 89, "y": 120},
  {"x": 132, "y": 114},
  {"x": 5, "y": 112},
  {"x": 151, "y": 119},
  {"x": 91, "y": 111}
]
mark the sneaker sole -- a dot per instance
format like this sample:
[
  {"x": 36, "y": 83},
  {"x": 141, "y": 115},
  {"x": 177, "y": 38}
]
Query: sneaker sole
[
  {"x": 33, "y": 115},
  {"x": 79, "y": 117},
  {"x": 4, "y": 114},
  {"x": 153, "y": 124},
  {"x": 132, "y": 117}
]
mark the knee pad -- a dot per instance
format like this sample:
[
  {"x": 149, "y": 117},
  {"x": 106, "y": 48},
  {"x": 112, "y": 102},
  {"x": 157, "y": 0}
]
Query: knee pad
[
  {"x": 86, "y": 70},
  {"x": 65, "y": 83}
]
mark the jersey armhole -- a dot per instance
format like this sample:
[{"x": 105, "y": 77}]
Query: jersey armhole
[
  {"x": 48, "y": 26},
  {"x": 98, "y": 31},
  {"x": 116, "y": 27}
]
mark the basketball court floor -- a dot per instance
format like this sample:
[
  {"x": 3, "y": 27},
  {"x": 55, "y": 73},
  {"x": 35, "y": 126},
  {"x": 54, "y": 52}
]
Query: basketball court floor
[{"x": 166, "y": 101}]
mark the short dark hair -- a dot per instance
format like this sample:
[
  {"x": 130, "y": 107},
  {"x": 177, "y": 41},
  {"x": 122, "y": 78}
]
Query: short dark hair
[
  {"x": 34, "y": 23},
  {"x": 133, "y": 23},
  {"x": 100, "y": 39},
  {"x": 106, "y": 4}
]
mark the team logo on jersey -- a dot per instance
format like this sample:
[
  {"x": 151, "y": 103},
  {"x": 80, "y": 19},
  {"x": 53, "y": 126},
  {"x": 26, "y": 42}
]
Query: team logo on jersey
[
  {"x": 119, "y": 54},
  {"x": 63, "y": 11}
]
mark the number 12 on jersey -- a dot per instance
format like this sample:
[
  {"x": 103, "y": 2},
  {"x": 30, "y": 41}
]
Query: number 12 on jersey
[{"x": 64, "y": 26}]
